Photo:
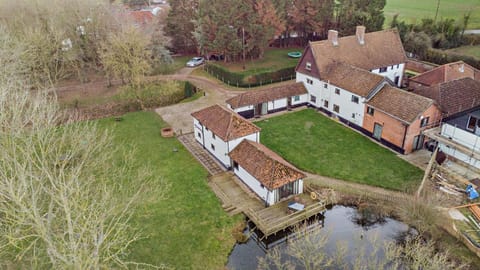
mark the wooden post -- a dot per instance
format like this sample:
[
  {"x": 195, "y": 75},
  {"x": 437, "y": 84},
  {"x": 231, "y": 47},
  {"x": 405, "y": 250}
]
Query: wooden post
[{"x": 427, "y": 172}]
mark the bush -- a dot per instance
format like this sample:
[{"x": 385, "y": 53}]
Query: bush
[
  {"x": 442, "y": 57},
  {"x": 153, "y": 94},
  {"x": 189, "y": 89},
  {"x": 242, "y": 80}
]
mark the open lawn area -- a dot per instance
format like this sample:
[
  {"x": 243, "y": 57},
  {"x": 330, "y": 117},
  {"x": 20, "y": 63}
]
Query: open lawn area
[
  {"x": 467, "y": 50},
  {"x": 411, "y": 10},
  {"x": 188, "y": 229},
  {"x": 319, "y": 145},
  {"x": 274, "y": 59}
]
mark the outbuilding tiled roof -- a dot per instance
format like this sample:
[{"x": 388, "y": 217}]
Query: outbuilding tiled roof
[
  {"x": 454, "y": 96},
  {"x": 264, "y": 164},
  {"x": 447, "y": 72},
  {"x": 380, "y": 49},
  {"x": 225, "y": 124},
  {"x": 355, "y": 80},
  {"x": 402, "y": 105},
  {"x": 265, "y": 95}
]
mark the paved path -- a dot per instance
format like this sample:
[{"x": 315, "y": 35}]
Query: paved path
[{"x": 202, "y": 155}]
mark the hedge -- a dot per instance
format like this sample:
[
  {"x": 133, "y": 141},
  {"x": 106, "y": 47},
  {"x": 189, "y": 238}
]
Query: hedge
[
  {"x": 442, "y": 57},
  {"x": 242, "y": 80}
]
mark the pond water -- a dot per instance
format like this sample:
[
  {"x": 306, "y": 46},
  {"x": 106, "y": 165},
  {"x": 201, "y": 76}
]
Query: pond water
[{"x": 341, "y": 224}]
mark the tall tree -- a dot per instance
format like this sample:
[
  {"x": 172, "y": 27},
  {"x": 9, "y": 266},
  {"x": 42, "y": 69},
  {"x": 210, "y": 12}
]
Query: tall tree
[
  {"x": 180, "y": 25},
  {"x": 351, "y": 13}
]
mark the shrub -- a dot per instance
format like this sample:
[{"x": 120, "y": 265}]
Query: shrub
[
  {"x": 442, "y": 57},
  {"x": 152, "y": 94}
]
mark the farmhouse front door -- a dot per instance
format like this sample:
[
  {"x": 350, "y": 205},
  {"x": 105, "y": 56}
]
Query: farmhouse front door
[{"x": 377, "y": 131}]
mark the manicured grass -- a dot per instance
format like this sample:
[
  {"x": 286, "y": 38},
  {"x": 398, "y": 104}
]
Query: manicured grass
[
  {"x": 468, "y": 50},
  {"x": 187, "y": 230},
  {"x": 274, "y": 59},
  {"x": 413, "y": 10},
  {"x": 317, "y": 144}
]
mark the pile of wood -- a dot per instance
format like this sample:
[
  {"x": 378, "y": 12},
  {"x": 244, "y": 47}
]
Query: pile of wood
[{"x": 443, "y": 183}]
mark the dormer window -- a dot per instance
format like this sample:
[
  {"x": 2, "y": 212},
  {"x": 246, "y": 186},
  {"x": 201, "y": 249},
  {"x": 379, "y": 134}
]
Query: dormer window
[{"x": 308, "y": 66}]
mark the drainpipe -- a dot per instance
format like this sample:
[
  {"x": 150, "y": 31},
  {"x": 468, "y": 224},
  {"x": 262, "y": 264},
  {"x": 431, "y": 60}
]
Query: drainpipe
[
  {"x": 404, "y": 138},
  {"x": 203, "y": 137}
]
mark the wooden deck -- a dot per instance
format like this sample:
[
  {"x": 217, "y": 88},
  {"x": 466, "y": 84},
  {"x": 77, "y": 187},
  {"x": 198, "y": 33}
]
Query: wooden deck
[{"x": 237, "y": 197}]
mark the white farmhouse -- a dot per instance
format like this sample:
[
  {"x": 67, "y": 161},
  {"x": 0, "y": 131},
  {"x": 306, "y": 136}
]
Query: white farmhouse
[
  {"x": 220, "y": 130},
  {"x": 266, "y": 173},
  {"x": 260, "y": 102},
  {"x": 340, "y": 74}
]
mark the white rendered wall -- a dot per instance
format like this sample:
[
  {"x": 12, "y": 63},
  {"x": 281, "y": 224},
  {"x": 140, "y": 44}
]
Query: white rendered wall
[
  {"x": 392, "y": 72},
  {"x": 255, "y": 185},
  {"x": 254, "y": 137},
  {"x": 302, "y": 99},
  {"x": 277, "y": 104},
  {"x": 349, "y": 110},
  {"x": 242, "y": 109}
]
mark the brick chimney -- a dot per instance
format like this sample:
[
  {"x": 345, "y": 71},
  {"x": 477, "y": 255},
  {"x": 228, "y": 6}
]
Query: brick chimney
[
  {"x": 360, "y": 33},
  {"x": 333, "y": 37}
]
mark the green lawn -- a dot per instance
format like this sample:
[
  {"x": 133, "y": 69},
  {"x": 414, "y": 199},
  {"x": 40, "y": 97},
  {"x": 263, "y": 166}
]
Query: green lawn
[
  {"x": 467, "y": 50},
  {"x": 274, "y": 59},
  {"x": 411, "y": 10},
  {"x": 188, "y": 230},
  {"x": 317, "y": 144}
]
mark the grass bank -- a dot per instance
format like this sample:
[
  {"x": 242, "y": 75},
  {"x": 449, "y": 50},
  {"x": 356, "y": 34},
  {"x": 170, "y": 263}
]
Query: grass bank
[
  {"x": 187, "y": 230},
  {"x": 319, "y": 145},
  {"x": 413, "y": 11}
]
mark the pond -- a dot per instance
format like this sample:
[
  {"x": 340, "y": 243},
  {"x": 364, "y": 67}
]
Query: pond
[{"x": 341, "y": 224}]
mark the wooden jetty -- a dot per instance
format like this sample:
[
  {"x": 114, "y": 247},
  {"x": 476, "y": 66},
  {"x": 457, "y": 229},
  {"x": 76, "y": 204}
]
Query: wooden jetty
[{"x": 236, "y": 198}]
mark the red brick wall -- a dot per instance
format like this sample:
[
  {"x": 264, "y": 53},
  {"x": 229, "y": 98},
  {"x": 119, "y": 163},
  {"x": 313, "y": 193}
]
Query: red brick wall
[{"x": 394, "y": 130}]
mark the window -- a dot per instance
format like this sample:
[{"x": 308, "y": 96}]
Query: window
[
  {"x": 471, "y": 123},
  {"x": 383, "y": 69},
  {"x": 398, "y": 65},
  {"x": 296, "y": 98},
  {"x": 370, "y": 110},
  {"x": 353, "y": 115},
  {"x": 354, "y": 99},
  {"x": 337, "y": 91},
  {"x": 313, "y": 99},
  {"x": 336, "y": 108},
  {"x": 213, "y": 136},
  {"x": 212, "y": 146},
  {"x": 199, "y": 135},
  {"x": 235, "y": 165},
  {"x": 325, "y": 85},
  {"x": 309, "y": 81},
  {"x": 325, "y": 104},
  {"x": 424, "y": 122},
  {"x": 308, "y": 66},
  {"x": 206, "y": 128},
  {"x": 391, "y": 68}
]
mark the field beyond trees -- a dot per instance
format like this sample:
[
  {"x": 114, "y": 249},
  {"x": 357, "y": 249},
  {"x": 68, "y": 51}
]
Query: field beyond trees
[
  {"x": 188, "y": 229},
  {"x": 413, "y": 11},
  {"x": 319, "y": 145}
]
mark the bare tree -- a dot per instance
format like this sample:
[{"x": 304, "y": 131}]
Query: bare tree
[{"x": 62, "y": 200}]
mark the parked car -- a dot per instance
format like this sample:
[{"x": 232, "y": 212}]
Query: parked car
[{"x": 196, "y": 61}]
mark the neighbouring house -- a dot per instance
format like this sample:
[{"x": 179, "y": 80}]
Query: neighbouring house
[
  {"x": 398, "y": 118},
  {"x": 459, "y": 134},
  {"x": 266, "y": 173},
  {"x": 220, "y": 130},
  {"x": 260, "y": 102},
  {"x": 442, "y": 74}
]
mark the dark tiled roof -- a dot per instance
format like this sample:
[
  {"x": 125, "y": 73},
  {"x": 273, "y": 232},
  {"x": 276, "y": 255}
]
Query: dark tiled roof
[
  {"x": 403, "y": 105},
  {"x": 264, "y": 95},
  {"x": 355, "y": 80},
  {"x": 381, "y": 49},
  {"x": 447, "y": 72},
  {"x": 264, "y": 164},
  {"x": 454, "y": 96},
  {"x": 224, "y": 123}
]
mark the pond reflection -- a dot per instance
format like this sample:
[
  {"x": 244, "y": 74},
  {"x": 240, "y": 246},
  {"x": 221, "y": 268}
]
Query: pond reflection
[{"x": 352, "y": 228}]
